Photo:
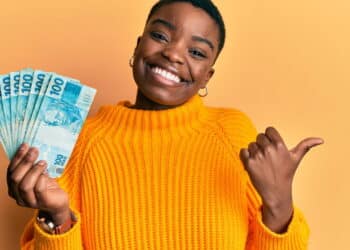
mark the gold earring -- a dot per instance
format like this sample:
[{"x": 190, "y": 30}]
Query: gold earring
[
  {"x": 131, "y": 61},
  {"x": 206, "y": 92}
]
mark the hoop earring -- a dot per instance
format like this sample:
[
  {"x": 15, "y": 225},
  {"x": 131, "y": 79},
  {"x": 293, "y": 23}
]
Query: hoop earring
[
  {"x": 205, "y": 94},
  {"x": 131, "y": 61}
]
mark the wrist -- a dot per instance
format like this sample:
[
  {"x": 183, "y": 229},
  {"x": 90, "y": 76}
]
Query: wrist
[
  {"x": 60, "y": 224},
  {"x": 277, "y": 216},
  {"x": 61, "y": 216}
]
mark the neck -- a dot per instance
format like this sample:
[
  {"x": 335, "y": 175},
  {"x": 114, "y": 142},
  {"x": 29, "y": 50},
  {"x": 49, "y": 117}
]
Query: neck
[{"x": 142, "y": 102}]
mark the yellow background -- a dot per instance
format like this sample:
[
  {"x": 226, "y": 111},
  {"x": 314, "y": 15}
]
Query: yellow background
[{"x": 285, "y": 64}]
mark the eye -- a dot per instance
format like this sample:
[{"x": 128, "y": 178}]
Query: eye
[
  {"x": 158, "y": 36},
  {"x": 197, "y": 53}
]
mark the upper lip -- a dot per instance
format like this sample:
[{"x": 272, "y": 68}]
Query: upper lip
[{"x": 170, "y": 69}]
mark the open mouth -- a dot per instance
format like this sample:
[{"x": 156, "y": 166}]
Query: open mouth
[{"x": 166, "y": 74}]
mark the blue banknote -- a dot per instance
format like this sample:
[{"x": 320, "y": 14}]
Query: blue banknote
[
  {"x": 39, "y": 85},
  {"x": 62, "y": 113},
  {"x": 25, "y": 84},
  {"x": 5, "y": 85},
  {"x": 14, "y": 76},
  {"x": 3, "y": 132}
]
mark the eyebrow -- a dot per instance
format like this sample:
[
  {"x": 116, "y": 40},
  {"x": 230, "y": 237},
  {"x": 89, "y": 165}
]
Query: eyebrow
[
  {"x": 165, "y": 23},
  {"x": 203, "y": 40},
  {"x": 173, "y": 27}
]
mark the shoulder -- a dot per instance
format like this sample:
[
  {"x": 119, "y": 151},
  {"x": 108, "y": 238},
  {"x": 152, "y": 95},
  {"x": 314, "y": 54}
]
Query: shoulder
[{"x": 235, "y": 125}]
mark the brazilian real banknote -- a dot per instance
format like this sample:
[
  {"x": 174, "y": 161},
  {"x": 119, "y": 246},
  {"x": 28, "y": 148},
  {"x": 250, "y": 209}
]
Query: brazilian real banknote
[
  {"x": 63, "y": 111},
  {"x": 14, "y": 78},
  {"x": 25, "y": 84},
  {"x": 6, "y": 131},
  {"x": 44, "y": 109},
  {"x": 3, "y": 129}
]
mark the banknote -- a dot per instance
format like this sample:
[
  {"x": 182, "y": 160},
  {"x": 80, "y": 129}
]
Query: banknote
[
  {"x": 3, "y": 132},
  {"x": 5, "y": 84},
  {"x": 45, "y": 110},
  {"x": 14, "y": 76},
  {"x": 37, "y": 92},
  {"x": 63, "y": 110},
  {"x": 25, "y": 84}
]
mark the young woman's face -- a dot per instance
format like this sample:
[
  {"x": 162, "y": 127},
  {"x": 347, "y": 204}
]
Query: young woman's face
[{"x": 174, "y": 56}]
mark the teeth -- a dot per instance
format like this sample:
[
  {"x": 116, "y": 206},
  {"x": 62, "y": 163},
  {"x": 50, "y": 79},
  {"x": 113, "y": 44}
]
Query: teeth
[{"x": 166, "y": 74}]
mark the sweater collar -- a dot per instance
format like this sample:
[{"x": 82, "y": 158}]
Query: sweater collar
[{"x": 186, "y": 115}]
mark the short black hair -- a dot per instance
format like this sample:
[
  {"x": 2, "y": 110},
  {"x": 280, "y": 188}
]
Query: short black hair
[{"x": 208, "y": 6}]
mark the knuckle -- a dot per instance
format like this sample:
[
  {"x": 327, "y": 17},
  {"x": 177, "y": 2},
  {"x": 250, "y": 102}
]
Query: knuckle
[
  {"x": 17, "y": 157},
  {"x": 259, "y": 155},
  {"x": 31, "y": 155},
  {"x": 250, "y": 165},
  {"x": 28, "y": 158},
  {"x": 31, "y": 204},
  {"x": 259, "y": 136},
  {"x": 268, "y": 149},
  {"x": 279, "y": 145},
  {"x": 250, "y": 162},
  {"x": 38, "y": 189},
  {"x": 24, "y": 187},
  {"x": 269, "y": 128},
  {"x": 20, "y": 203},
  {"x": 15, "y": 178},
  {"x": 252, "y": 144}
]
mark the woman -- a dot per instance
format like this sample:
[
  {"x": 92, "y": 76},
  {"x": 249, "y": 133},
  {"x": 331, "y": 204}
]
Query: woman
[{"x": 167, "y": 172}]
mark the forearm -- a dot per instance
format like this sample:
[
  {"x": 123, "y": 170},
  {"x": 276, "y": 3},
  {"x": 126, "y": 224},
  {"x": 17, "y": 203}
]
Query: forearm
[
  {"x": 294, "y": 237},
  {"x": 34, "y": 237},
  {"x": 277, "y": 217}
]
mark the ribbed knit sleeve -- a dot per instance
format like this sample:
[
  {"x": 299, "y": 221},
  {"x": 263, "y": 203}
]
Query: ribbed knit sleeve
[
  {"x": 33, "y": 236},
  {"x": 240, "y": 130}
]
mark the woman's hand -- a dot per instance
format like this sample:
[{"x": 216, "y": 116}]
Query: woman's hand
[
  {"x": 271, "y": 168},
  {"x": 30, "y": 185}
]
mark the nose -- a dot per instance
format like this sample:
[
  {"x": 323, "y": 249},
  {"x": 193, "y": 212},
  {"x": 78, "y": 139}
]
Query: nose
[{"x": 174, "y": 53}]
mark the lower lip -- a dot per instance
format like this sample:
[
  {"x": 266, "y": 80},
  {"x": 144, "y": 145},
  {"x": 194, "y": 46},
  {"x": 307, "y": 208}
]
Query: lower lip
[{"x": 162, "y": 80}]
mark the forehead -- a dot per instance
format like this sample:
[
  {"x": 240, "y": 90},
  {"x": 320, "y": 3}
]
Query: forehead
[{"x": 188, "y": 18}]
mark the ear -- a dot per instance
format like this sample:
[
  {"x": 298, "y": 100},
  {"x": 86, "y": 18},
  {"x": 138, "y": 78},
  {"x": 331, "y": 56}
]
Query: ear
[
  {"x": 137, "y": 42},
  {"x": 208, "y": 77}
]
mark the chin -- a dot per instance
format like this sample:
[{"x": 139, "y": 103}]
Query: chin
[{"x": 165, "y": 99}]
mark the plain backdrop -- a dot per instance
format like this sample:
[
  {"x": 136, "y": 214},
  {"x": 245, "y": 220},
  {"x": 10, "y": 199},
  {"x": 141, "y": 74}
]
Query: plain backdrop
[{"x": 285, "y": 64}]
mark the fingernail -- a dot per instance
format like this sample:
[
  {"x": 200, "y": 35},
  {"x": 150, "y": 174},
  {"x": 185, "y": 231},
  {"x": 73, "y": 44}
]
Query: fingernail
[
  {"x": 41, "y": 163},
  {"x": 321, "y": 141},
  {"x": 22, "y": 147},
  {"x": 32, "y": 150}
]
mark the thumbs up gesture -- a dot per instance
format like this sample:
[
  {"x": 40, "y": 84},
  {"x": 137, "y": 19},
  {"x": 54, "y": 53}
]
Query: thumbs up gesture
[{"x": 271, "y": 168}]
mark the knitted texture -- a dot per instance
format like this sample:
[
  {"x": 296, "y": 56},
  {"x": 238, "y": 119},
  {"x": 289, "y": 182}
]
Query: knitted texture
[{"x": 169, "y": 179}]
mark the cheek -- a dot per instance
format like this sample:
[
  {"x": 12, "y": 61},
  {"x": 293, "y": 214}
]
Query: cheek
[
  {"x": 147, "y": 47},
  {"x": 200, "y": 73}
]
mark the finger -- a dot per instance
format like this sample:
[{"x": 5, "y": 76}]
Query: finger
[
  {"x": 24, "y": 154},
  {"x": 244, "y": 156},
  {"x": 20, "y": 171},
  {"x": 304, "y": 146},
  {"x": 17, "y": 158},
  {"x": 263, "y": 141},
  {"x": 26, "y": 187},
  {"x": 274, "y": 137},
  {"x": 253, "y": 149}
]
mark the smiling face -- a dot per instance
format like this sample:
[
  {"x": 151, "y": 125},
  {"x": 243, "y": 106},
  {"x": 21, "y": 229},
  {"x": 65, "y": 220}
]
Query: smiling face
[{"x": 175, "y": 54}]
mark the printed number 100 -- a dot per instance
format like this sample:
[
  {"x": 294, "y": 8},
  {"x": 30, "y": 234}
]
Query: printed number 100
[{"x": 56, "y": 88}]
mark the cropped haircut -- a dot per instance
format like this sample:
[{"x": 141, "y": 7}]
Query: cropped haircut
[{"x": 208, "y": 6}]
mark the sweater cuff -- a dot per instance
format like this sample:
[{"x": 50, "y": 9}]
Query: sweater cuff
[
  {"x": 66, "y": 241},
  {"x": 295, "y": 238}
]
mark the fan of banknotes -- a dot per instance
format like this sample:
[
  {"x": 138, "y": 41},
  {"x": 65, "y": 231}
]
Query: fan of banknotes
[{"x": 45, "y": 110}]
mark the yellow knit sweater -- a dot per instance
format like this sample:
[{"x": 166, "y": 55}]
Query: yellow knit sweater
[{"x": 168, "y": 179}]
